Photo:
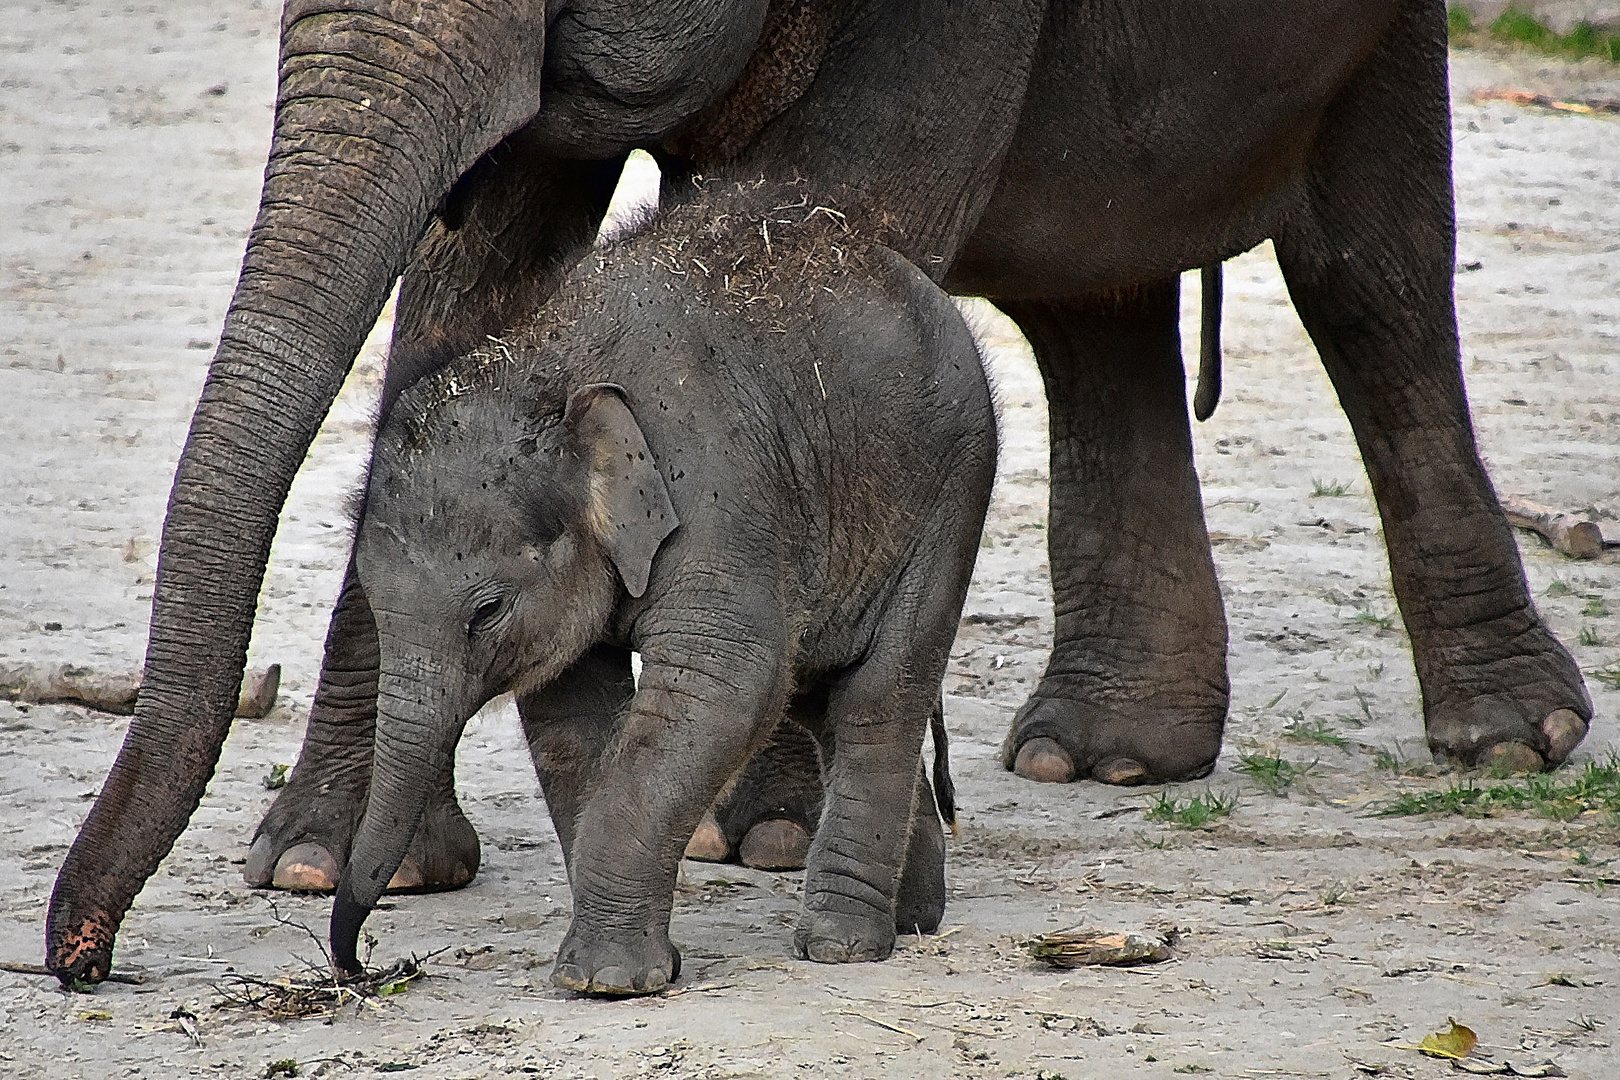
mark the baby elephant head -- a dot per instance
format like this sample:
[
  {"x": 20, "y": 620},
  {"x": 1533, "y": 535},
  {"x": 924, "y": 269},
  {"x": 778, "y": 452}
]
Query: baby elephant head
[{"x": 495, "y": 534}]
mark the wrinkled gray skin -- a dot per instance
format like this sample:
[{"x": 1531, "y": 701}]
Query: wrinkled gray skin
[
  {"x": 1067, "y": 159},
  {"x": 777, "y": 505}
]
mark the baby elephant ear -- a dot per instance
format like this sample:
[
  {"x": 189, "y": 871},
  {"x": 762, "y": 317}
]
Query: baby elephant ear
[{"x": 629, "y": 505}]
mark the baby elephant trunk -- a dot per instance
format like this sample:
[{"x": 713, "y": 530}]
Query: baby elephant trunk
[{"x": 418, "y": 726}]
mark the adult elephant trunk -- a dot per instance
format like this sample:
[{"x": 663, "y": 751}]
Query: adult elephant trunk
[
  {"x": 380, "y": 109},
  {"x": 419, "y": 723}
]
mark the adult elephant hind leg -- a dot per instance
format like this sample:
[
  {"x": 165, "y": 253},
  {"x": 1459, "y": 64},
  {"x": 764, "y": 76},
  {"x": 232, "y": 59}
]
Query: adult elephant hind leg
[
  {"x": 1369, "y": 263},
  {"x": 303, "y": 841},
  {"x": 1136, "y": 688}
]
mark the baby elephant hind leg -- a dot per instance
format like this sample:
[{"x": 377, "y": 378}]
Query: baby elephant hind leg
[
  {"x": 1369, "y": 264},
  {"x": 878, "y": 860}
]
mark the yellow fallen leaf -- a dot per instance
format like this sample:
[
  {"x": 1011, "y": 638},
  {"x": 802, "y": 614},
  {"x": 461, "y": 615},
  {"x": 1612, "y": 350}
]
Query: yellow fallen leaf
[
  {"x": 1453, "y": 1045},
  {"x": 95, "y": 1014}
]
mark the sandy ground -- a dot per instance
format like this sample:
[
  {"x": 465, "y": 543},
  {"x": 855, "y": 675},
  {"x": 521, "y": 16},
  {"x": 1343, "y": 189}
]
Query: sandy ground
[{"x": 1313, "y": 936}]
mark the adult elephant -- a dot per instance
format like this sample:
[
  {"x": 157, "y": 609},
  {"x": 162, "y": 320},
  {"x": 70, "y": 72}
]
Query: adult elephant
[{"x": 1066, "y": 158}]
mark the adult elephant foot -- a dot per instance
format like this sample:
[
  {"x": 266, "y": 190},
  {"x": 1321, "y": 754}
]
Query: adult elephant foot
[
  {"x": 1517, "y": 714},
  {"x": 1055, "y": 740},
  {"x": 767, "y": 818},
  {"x": 303, "y": 841},
  {"x": 303, "y": 844},
  {"x": 1136, "y": 689}
]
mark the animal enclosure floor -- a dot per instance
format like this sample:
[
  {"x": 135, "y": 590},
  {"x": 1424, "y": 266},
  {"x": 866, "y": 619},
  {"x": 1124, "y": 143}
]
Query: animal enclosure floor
[{"x": 1313, "y": 937}]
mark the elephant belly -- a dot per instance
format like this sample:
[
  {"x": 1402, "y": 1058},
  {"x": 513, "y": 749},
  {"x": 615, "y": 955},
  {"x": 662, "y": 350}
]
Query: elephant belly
[{"x": 1148, "y": 145}]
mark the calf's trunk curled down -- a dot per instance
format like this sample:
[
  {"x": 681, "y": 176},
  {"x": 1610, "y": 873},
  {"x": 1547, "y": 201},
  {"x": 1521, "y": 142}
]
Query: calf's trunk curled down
[
  {"x": 419, "y": 722},
  {"x": 378, "y": 112}
]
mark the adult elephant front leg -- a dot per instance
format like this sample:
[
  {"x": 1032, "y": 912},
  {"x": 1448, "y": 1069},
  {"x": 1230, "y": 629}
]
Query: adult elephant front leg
[
  {"x": 1369, "y": 263},
  {"x": 493, "y": 252},
  {"x": 1136, "y": 687}
]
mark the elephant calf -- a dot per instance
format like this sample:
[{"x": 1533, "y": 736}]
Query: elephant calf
[{"x": 755, "y": 448}]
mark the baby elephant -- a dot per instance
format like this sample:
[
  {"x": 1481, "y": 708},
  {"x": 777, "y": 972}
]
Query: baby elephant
[{"x": 749, "y": 446}]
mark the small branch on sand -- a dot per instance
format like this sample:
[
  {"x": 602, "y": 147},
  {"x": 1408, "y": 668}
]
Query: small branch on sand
[
  {"x": 44, "y": 684},
  {"x": 1569, "y": 534}
]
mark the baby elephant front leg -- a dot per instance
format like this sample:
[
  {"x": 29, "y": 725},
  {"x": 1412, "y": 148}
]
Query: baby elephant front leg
[{"x": 685, "y": 735}]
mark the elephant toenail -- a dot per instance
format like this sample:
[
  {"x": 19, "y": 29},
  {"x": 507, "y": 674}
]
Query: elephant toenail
[
  {"x": 408, "y": 876},
  {"x": 307, "y": 868},
  {"x": 1045, "y": 762},
  {"x": 613, "y": 980},
  {"x": 1512, "y": 757},
  {"x": 570, "y": 977},
  {"x": 775, "y": 845},
  {"x": 1122, "y": 771},
  {"x": 708, "y": 843},
  {"x": 1564, "y": 729},
  {"x": 260, "y": 866}
]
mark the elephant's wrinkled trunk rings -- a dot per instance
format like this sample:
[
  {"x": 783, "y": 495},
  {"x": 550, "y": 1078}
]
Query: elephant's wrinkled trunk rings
[{"x": 377, "y": 115}]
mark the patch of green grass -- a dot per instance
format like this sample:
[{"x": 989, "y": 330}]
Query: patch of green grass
[
  {"x": 1608, "y": 676},
  {"x": 1459, "y": 21},
  {"x": 1521, "y": 28},
  {"x": 1329, "y": 489},
  {"x": 284, "y": 1067},
  {"x": 1588, "y": 636},
  {"x": 1550, "y": 795},
  {"x": 1595, "y": 608},
  {"x": 1275, "y": 774},
  {"x": 1558, "y": 587},
  {"x": 1195, "y": 813},
  {"x": 1368, "y": 617},
  {"x": 1393, "y": 760},
  {"x": 1314, "y": 731},
  {"x": 1584, "y": 39},
  {"x": 1336, "y": 894},
  {"x": 1272, "y": 704}
]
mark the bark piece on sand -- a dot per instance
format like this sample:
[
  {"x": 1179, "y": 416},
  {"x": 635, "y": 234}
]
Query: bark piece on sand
[
  {"x": 1569, "y": 534},
  {"x": 1081, "y": 948},
  {"x": 114, "y": 692}
]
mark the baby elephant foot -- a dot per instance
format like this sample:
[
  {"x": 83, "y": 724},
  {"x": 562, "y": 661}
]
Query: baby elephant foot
[
  {"x": 444, "y": 854},
  {"x": 1056, "y": 739},
  {"x": 920, "y": 902},
  {"x": 643, "y": 965},
  {"x": 1518, "y": 714},
  {"x": 834, "y": 937}
]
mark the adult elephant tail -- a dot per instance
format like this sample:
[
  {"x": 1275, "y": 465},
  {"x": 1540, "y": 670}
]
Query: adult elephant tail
[{"x": 381, "y": 107}]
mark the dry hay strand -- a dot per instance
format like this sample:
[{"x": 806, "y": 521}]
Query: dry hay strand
[
  {"x": 314, "y": 993},
  {"x": 1072, "y": 949},
  {"x": 317, "y": 991}
]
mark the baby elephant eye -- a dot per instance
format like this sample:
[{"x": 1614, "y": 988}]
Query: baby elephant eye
[{"x": 486, "y": 615}]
